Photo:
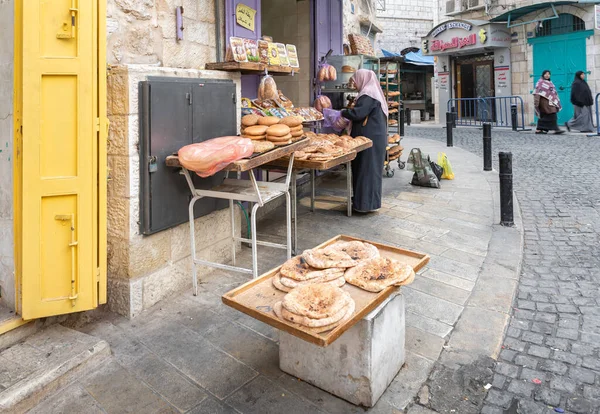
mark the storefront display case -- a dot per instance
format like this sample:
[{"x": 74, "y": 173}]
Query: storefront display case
[{"x": 341, "y": 84}]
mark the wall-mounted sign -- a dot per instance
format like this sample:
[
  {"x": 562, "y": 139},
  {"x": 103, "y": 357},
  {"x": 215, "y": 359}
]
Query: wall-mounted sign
[
  {"x": 454, "y": 43},
  {"x": 245, "y": 16},
  {"x": 597, "y": 15},
  {"x": 451, "y": 25}
]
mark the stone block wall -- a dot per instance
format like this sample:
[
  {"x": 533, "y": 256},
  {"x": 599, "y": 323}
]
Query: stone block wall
[
  {"x": 143, "y": 32},
  {"x": 523, "y": 82},
  {"x": 365, "y": 12},
  {"x": 7, "y": 267},
  {"x": 143, "y": 270},
  {"x": 404, "y": 22}
]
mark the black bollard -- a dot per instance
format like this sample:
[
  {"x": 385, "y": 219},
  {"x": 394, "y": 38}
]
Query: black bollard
[
  {"x": 401, "y": 121},
  {"x": 506, "y": 189},
  {"x": 454, "y": 116},
  {"x": 449, "y": 141},
  {"x": 487, "y": 147},
  {"x": 407, "y": 113},
  {"x": 513, "y": 117}
]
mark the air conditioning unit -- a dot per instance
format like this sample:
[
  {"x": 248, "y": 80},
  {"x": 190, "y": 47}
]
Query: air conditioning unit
[
  {"x": 464, "y": 4},
  {"x": 450, "y": 6},
  {"x": 474, "y": 3}
]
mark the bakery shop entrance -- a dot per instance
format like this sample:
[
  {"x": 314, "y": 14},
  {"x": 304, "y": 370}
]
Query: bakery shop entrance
[{"x": 474, "y": 79}]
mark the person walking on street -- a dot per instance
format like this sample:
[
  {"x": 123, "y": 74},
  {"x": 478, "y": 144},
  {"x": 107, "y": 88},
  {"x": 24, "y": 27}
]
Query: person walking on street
[
  {"x": 581, "y": 98},
  {"x": 369, "y": 119},
  {"x": 547, "y": 105}
]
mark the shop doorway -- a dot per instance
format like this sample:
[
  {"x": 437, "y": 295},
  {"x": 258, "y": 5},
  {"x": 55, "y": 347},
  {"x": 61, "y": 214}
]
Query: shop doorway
[
  {"x": 475, "y": 79},
  {"x": 560, "y": 48}
]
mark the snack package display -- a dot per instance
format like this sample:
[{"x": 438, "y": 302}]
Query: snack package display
[
  {"x": 334, "y": 119},
  {"x": 263, "y": 51},
  {"x": 251, "y": 47},
  {"x": 238, "y": 50},
  {"x": 282, "y": 52},
  {"x": 292, "y": 55},
  {"x": 267, "y": 89},
  {"x": 211, "y": 156},
  {"x": 273, "y": 54},
  {"x": 285, "y": 101}
]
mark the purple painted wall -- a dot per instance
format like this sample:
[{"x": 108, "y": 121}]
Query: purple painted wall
[{"x": 327, "y": 30}]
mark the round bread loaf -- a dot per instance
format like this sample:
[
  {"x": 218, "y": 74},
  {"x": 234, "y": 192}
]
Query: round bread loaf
[
  {"x": 249, "y": 120},
  {"x": 262, "y": 146},
  {"x": 279, "y": 139},
  {"x": 255, "y": 137},
  {"x": 291, "y": 121},
  {"x": 348, "y": 69},
  {"x": 297, "y": 128},
  {"x": 256, "y": 130},
  {"x": 296, "y": 134},
  {"x": 268, "y": 120},
  {"x": 278, "y": 130},
  {"x": 281, "y": 143}
]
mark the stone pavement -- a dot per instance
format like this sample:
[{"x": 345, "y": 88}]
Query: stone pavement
[
  {"x": 196, "y": 355},
  {"x": 554, "y": 333}
]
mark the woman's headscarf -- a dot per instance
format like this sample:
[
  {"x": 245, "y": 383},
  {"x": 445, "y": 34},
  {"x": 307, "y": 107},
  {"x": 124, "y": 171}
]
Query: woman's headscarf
[
  {"x": 546, "y": 89},
  {"x": 581, "y": 94},
  {"x": 367, "y": 83},
  {"x": 578, "y": 75}
]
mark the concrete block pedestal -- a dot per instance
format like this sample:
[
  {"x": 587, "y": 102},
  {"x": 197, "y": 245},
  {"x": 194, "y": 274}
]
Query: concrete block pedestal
[{"x": 360, "y": 364}]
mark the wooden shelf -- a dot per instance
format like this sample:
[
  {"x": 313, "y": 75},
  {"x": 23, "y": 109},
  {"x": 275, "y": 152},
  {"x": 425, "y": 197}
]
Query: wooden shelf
[{"x": 251, "y": 68}]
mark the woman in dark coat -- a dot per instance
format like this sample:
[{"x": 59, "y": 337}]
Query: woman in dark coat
[
  {"x": 581, "y": 98},
  {"x": 547, "y": 105},
  {"x": 369, "y": 119}
]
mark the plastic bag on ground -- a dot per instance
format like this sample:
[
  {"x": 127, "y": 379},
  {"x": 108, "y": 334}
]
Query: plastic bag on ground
[
  {"x": 211, "y": 156},
  {"x": 445, "y": 164},
  {"x": 423, "y": 176},
  {"x": 333, "y": 119}
]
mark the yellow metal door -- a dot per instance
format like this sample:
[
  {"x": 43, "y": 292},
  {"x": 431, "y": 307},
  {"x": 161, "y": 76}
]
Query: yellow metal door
[{"x": 62, "y": 243}]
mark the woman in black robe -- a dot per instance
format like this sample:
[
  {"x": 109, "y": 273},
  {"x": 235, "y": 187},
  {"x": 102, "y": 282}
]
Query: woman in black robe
[
  {"x": 582, "y": 100},
  {"x": 369, "y": 119}
]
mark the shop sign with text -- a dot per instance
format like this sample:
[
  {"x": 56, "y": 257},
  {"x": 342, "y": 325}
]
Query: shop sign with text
[{"x": 455, "y": 43}]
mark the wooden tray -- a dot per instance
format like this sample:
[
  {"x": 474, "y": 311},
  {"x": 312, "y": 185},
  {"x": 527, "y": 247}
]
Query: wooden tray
[
  {"x": 314, "y": 165},
  {"x": 257, "y": 160},
  {"x": 363, "y": 147},
  {"x": 257, "y": 297}
]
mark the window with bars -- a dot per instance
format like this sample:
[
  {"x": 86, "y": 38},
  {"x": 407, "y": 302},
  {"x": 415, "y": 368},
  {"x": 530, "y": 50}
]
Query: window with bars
[{"x": 565, "y": 23}]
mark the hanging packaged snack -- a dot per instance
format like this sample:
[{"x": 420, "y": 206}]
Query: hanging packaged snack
[
  {"x": 322, "y": 102},
  {"x": 238, "y": 50},
  {"x": 292, "y": 55},
  {"x": 273, "y": 54},
  {"x": 284, "y": 101},
  {"x": 263, "y": 51},
  {"x": 251, "y": 47},
  {"x": 267, "y": 89},
  {"x": 282, "y": 52},
  {"x": 327, "y": 73}
]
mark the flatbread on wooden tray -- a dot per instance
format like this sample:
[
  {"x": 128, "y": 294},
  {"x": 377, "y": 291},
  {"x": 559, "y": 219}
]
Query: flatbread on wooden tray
[
  {"x": 296, "y": 268},
  {"x": 356, "y": 249},
  {"x": 349, "y": 312},
  {"x": 376, "y": 274},
  {"x": 315, "y": 301},
  {"x": 277, "y": 281},
  {"x": 327, "y": 258},
  {"x": 291, "y": 283}
]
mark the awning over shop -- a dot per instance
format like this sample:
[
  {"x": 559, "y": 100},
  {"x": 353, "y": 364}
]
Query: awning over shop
[
  {"x": 414, "y": 58},
  {"x": 516, "y": 14}
]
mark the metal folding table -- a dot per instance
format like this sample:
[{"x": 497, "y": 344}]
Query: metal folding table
[{"x": 258, "y": 193}]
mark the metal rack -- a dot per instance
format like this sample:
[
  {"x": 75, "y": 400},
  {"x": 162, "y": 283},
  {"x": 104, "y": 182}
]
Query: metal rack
[{"x": 389, "y": 78}]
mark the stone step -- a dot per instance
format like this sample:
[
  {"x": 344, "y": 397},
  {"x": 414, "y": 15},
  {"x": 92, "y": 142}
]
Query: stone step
[{"x": 45, "y": 362}]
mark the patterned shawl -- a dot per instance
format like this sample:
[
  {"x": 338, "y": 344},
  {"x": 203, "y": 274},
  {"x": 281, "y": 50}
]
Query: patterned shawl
[{"x": 546, "y": 89}]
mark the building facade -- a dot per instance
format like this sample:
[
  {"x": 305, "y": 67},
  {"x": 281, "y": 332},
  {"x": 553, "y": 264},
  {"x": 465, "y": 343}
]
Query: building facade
[
  {"x": 520, "y": 39},
  {"x": 404, "y": 23}
]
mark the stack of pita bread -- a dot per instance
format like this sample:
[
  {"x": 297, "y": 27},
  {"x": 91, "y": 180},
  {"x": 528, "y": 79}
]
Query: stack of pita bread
[
  {"x": 323, "y": 271},
  {"x": 324, "y": 147}
]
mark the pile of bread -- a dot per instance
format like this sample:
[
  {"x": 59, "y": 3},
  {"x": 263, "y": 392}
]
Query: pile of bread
[
  {"x": 325, "y": 147},
  {"x": 392, "y": 139},
  {"x": 314, "y": 280},
  {"x": 268, "y": 132}
]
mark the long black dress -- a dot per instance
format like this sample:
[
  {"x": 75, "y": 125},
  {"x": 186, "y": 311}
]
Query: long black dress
[{"x": 367, "y": 167}]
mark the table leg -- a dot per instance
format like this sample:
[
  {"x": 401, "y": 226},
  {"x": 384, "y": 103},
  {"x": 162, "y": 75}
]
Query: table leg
[
  {"x": 233, "y": 242},
  {"x": 288, "y": 222},
  {"x": 349, "y": 187},
  {"x": 312, "y": 190},
  {"x": 294, "y": 211},
  {"x": 254, "y": 245}
]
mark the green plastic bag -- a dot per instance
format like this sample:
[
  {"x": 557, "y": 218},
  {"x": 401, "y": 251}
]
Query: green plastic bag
[{"x": 443, "y": 161}]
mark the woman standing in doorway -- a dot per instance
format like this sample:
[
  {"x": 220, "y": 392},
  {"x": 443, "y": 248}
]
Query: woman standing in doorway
[
  {"x": 581, "y": 98},
  {"x": 369, "y": 119},
  {"x": 547, "y": 105}
]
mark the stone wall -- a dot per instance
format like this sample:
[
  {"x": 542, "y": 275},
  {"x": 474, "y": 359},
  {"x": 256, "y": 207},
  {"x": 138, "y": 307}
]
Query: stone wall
[
  {"x": 143, "y": 32},
  {"x": 522, "y": 52},
  {"x": 364, "y": 14},
  {"x": 143, "y": 270},
  {"x": 7, "y": 281},
  {"x": 404, "y": 22}
]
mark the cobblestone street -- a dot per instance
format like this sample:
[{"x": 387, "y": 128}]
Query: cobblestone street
[{"x": 551, "y": 351}]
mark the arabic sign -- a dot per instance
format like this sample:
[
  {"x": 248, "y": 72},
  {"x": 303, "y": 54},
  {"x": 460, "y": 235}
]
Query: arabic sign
[
  {"x": 451, "y": 25},
  {"x": 460, "y": 35},
  {"x": 244, "y": 16},
  {"x": 454, "y": 43}
]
